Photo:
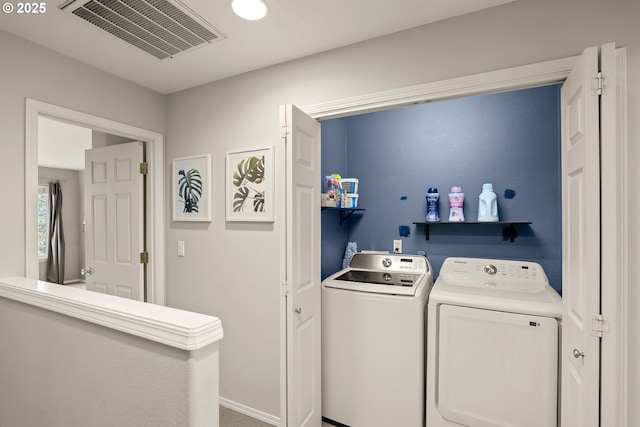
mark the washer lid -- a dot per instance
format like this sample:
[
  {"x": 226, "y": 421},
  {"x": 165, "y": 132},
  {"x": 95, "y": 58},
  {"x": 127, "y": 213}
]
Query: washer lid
[
  {"x": 379, "y": 282},
  {"x": 383, "y": 273},
  {"x": 504, "y": 285}
]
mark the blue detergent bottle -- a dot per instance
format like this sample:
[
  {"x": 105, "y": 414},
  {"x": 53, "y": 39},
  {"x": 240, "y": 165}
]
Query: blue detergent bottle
[{"x": 433, "y": 200}]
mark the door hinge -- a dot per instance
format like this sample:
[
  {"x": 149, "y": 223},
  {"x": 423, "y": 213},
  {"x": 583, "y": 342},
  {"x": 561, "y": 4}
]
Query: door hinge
[
  {"x": 284, "y": 131},
  {"x": 144, "y": 257},
  {"x": 284, "y": 288},
  {"x": 597, "y": 84},
  {"x": 599, "y": 326},
  {"x": 144, "y": 168}
]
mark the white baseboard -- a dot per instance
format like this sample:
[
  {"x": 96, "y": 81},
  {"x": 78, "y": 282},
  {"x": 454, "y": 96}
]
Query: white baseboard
[{"x": 250, "y": 412}]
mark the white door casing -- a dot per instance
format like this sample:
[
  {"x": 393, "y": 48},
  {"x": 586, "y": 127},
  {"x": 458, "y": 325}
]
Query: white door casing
[
  {"x": 156, "y": 292},
  {"x": 614, "y": 230},
  {"x": 531, "y": 75},
  {"x": 114, "y": 218},
  {"x": 580, "y": 354},
  {"x": 302, "y": 291}
]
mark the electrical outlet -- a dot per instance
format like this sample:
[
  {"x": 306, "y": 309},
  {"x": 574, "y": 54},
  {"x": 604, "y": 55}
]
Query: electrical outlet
[
  {"x": 180, "y": 248},
  {"x": 397, "y": 246}
]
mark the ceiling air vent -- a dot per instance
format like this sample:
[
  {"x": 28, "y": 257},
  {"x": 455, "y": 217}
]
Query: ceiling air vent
[{"x": 162, "y": 28}]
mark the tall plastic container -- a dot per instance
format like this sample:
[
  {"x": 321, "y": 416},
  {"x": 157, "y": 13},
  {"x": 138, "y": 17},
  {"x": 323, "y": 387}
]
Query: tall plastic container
[
  {"x": 433, "y": 201},
  {"x": 488, "y": 206},
  {"x": 456, "y": 202}
]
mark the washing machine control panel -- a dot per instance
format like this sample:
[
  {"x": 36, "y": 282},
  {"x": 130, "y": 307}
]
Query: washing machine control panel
[{"x": 390, "y": 262}]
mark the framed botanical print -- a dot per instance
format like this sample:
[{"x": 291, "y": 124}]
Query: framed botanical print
[
  {"x": 191, "y": 195},
  {"x": 249, "y": 182}
]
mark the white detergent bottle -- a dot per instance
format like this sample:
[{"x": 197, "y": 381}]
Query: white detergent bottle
[
  {"x": 456, "y": 200},
  {"x": 488, "y": 207}
]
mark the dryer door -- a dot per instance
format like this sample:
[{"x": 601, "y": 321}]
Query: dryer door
[{"x": 497, "y": 368}]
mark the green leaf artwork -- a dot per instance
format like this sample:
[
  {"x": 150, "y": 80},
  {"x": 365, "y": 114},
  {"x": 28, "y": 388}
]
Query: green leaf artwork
[
  {"x": 248, "y": 175},
  {"x": 189, "y": 189}
]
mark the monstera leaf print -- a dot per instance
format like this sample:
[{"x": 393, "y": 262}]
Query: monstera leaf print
[
  {"x": 248, "y": 171},
  {"x": 239, "y": 198},
  {"x": 258, "y": 202},
  {"x": 189, "y": 189}
]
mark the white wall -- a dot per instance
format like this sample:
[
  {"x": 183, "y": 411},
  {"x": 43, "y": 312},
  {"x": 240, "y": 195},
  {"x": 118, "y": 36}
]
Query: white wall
[
  {"x": 61, "y": 145},
  {"x": 74, "y": 358},
  {"x": 29, "y": 71},
  {"x": 101, "y": 139},
  {"x": 231, "y": 269}
]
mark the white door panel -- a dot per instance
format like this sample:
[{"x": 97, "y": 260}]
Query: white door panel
[
  {"x": 114, "y": 207},
  {"x": 303, "y": 382},
  {"x": 580, "y": 355}
]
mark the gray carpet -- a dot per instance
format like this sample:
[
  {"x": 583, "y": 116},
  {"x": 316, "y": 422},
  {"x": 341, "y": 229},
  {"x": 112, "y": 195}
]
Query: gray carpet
[{"x": 230, "y": 418}]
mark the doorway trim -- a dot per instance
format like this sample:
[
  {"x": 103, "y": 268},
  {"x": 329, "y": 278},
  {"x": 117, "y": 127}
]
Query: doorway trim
[
  {"x": 613, "y": 411},
  {"x": 522, "y": 77},
  {"x": 155, "y": 154}
]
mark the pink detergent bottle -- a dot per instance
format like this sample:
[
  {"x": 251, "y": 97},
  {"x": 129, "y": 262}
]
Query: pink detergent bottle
[{"x": 456, "y": 202}]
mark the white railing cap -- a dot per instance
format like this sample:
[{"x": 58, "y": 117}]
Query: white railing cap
[{"x": 177, "y": 328}]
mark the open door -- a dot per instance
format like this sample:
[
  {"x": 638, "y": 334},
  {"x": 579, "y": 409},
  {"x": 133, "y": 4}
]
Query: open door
[
  {"x": 114, "y": 219},
  {"x": 581, "y": 254},
  {"x": 302, "y": 387}
]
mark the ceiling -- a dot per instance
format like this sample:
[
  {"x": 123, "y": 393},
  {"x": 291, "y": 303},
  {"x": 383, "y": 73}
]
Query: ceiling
[{"x": 292, "y": 29}]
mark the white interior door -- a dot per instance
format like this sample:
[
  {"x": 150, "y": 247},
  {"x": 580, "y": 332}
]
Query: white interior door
[
  {"x": 580, "y": 355},
  {"x": 303, "y": 390},
  {"x": 114, "y": 218}
]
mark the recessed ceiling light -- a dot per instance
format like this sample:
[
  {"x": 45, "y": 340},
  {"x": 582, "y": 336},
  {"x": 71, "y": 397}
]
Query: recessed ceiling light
[{"x": 252, "y": 10}]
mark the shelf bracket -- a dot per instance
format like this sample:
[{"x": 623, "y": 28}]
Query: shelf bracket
[
  {"x": 510, "y": 232},
  {"x": 426, "y": 229},
  {"x": 344, "y": 214}
]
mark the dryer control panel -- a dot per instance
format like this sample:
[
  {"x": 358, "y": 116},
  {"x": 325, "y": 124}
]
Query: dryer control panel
[
  {"x": 476, "y": 268},
  {"x": 505, "y": 275}
]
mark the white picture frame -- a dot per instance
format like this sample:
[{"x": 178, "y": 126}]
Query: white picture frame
[
  {"x": 249, "y": 185},
  {"x": 191, "y": 193}
]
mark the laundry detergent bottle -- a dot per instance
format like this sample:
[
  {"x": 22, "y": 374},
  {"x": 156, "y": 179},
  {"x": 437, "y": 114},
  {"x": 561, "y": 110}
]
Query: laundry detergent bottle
[
  {"x": 456, "y": 201},
  {"x": 488, "y": 207},
  {"x": 433, "y": 200}
]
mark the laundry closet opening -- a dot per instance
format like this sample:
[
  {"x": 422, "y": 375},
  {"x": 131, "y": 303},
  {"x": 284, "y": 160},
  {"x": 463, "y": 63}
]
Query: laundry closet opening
[{"x": 510, "y": 139}]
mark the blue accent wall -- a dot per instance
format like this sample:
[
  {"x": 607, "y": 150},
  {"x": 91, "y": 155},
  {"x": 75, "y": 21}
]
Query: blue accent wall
[{"x": 509, "y": 139}]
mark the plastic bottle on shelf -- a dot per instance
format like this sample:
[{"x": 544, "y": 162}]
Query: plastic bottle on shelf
[
  {"x": 433, "y": 200},
  {"x": 488, "y": 206},
  {"x": 456, "y": 201}
]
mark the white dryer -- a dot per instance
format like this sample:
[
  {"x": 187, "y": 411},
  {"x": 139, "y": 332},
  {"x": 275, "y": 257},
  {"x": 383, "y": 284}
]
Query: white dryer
[
  {"x": 492, "y": 345},
  {"x": 373, "y": 341}
]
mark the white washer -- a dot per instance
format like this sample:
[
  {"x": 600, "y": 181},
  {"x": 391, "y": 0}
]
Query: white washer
[
  {"x": 373, "y": 338},
  {"x": 492, "y": 350}
]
